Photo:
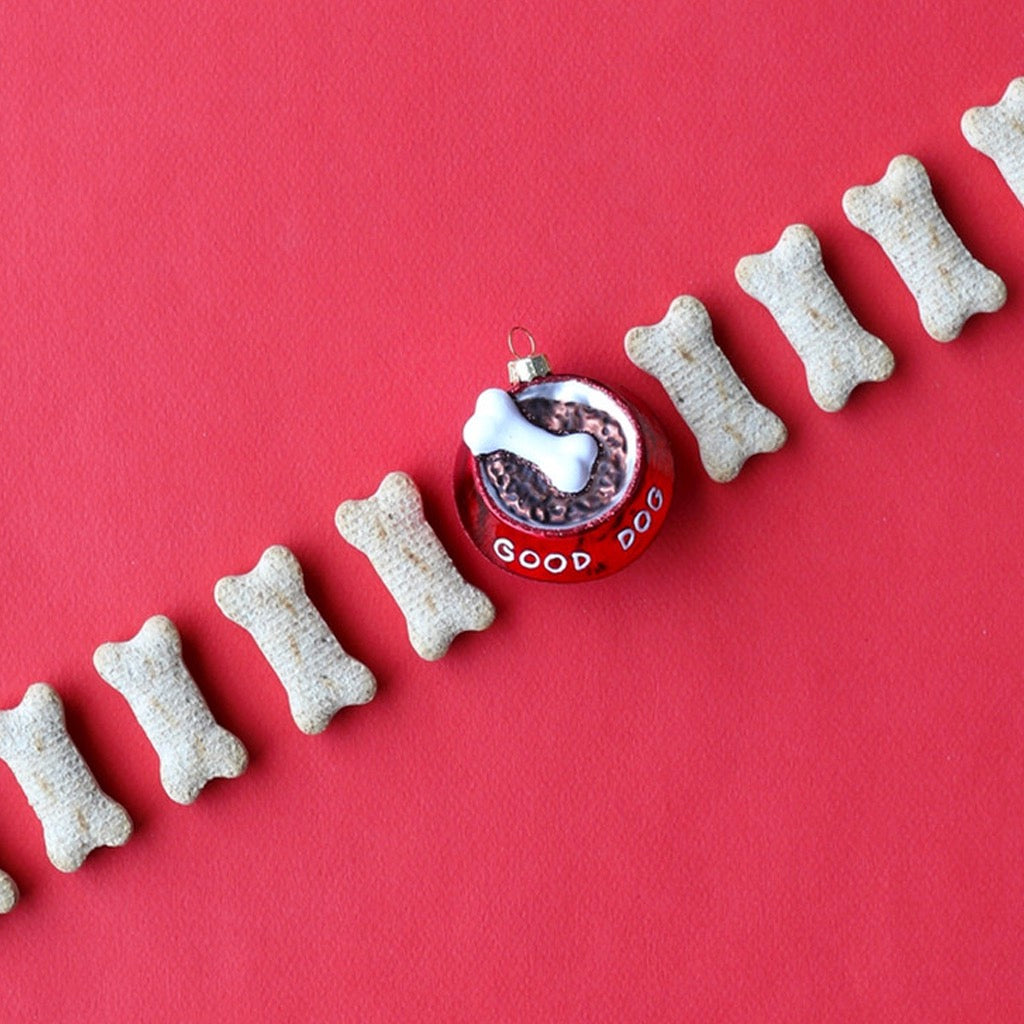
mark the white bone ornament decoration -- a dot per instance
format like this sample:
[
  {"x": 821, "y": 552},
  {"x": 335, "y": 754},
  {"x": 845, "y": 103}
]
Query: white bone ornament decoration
[{"x": 498, "y": 425}]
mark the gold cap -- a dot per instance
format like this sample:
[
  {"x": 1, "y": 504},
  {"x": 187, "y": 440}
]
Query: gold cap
[{"x": 527, "y": 367}]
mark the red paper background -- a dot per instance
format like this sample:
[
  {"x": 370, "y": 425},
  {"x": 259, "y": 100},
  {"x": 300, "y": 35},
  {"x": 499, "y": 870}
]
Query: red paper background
[{"x": 256, "y": 256}]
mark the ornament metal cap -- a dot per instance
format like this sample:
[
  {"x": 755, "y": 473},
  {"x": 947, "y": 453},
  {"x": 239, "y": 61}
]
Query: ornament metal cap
[{"x": 530, "y": 366}]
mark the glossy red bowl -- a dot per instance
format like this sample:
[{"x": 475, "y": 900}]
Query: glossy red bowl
[{"x": 604, "y": 543}]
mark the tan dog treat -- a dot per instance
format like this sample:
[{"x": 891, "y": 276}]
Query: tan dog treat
[
  {"x": 8, "y": 892},
  {"x": 390, "y": 529},
  {"x": 998, "y": 132},
  {"x": 901, "y": 214},
  {"x": 149, "y": 673},
  {"x": 681, "y": 354},
  {"x": 837, "y": 353},
  {"x": 76, "y": 815},
  {"x": 319, "y": 677}
]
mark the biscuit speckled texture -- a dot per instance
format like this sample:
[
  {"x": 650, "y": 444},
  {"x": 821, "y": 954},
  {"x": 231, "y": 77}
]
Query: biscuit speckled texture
[
  {"x": 8, "y": 892},
  {"x": 729, "y": 423},
  {"x": 901, "y": 214},
  {"x": 76, "y": 815},
  {"x": 837, "y": 353},
  {"x": 149, "y": 673},
  {"x": 998, "y": 132},
  {"x": 390, "y": 529},
  {"x": 271, "y": 602}
]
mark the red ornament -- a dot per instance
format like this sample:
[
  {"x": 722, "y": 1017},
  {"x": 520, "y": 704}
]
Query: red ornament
[{"x": 561, "y": 479}]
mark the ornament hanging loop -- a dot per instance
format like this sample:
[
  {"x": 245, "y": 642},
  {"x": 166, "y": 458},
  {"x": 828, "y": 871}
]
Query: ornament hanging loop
[
  {"x": 524, "y": 368},
  {"x": 518, "y": 330}
]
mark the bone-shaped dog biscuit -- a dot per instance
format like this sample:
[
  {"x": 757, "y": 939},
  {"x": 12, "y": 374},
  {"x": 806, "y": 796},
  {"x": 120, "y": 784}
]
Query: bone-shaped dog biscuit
[
  {"x": 729, "y": 424},
  {"x": 837, "y": 353},
  {"x": 390, "y": 529},
  {"x": 149, "y": 672},
  {"x": 901, "y": 214},
  {"x": 498, "y": 425},
  {"x": 998, "y": 132},
  {"x": 8, "y": 892},
  {"x": 76, "y": 815},
  {"x": 318, "y": 676}
]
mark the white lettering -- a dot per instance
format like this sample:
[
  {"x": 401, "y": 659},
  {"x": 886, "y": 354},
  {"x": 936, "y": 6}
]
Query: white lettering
[
  {"x": 655, "y": 499},
  {"x": 626, "y": 538},
  {"x": 529, "y": 559},
  {"x": 504, "y": 550},
  {"x": 555, "y": 563},
  {"x": 642, "y": 521}
]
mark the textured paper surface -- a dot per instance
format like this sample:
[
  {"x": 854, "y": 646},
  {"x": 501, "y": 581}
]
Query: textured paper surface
[{"x": 256, "y": 255}]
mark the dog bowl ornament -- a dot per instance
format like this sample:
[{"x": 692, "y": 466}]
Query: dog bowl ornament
[{"x": 561, "y": 479}]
